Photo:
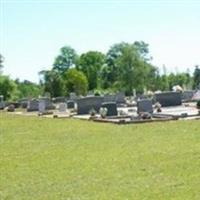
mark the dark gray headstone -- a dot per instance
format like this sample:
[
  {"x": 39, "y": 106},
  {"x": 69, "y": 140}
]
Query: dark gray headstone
[
  {"x": 111, "y": 108},
  {"x": 120, "y": 98},
  {"x": 11, "y": 108},
  {"x": 84, "y": 105},
  {"x": 70, "y": 104},
  {"x": 33, "y": 105},
  {"x": 48, "y": 103},
  {"x": 23, "y": 103},
  {"x": 144, "y": 106},
  {"x": 169, "y": 98},
  {"x": 187, "y": 95}
]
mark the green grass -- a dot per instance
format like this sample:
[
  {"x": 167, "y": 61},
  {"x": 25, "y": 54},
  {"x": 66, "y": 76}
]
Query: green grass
[{"x": 79, "y": 160}]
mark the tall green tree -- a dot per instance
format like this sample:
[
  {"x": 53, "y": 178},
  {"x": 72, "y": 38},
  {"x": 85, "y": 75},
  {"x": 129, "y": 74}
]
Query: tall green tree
[
  {"x": 91, "y": 64},
  {"x": 133, "y": 69},
  {"x": 128, "y": 67},
  {"x": 143, "y": 50},
  {"x": 66, "y": 59},
  {"x": 8, "y": 88},
  {"x": 111, "y": 71},
  {"x": 52, "y": 82}
]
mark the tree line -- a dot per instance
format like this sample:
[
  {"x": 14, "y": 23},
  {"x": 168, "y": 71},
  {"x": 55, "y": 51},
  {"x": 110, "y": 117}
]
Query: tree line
[{"x": 125, "y": 67}]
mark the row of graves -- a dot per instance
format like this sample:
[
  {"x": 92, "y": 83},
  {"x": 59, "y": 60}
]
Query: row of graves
[{"x": 115, "y": 108}]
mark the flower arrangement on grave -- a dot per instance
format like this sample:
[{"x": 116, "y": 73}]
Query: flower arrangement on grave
[
  {"x": 92, "y": 112},
  {"x": 158, "y": 107},
  {"x": 103, "y": 112}
]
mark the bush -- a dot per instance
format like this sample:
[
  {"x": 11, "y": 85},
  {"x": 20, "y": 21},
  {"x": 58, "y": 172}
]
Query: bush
[{"x": 76, "y": 81}]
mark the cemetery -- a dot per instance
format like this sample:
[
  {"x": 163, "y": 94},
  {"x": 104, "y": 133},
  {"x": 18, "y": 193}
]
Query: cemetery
[
  {"x": 99, "y": 100},
  {"x": 113, "y": 108}
]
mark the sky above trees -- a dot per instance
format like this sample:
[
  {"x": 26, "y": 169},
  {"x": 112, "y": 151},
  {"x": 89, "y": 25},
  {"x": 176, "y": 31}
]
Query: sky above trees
[{"x": 32, "y": 32}]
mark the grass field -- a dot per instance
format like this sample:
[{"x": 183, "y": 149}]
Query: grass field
[{"x": 78, "y": 160}]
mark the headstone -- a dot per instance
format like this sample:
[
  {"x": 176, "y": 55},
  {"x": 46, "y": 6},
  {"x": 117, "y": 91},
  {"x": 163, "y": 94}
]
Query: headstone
[
  {"x": 169, "y": 99},
  {"x": 84, "y": 105},
  {"x": 109, "y": 98},
  {"x": 2, "y": 103},
  {"x": 111, "y": 108},
  {"x": 48, "y": 103},
  {"x": 196, "y": 96},
  {"x": 23, "y": 103},
  {"x": 33, "y": 105},
  {"x": 187, "y": 95},
  {"x": 62, "y": 107},
  {"x": 120, "y": 98},
  {"x": 11, "y": 108},
  {"x": 144, "y": 106},
  {"x": 70, "y": 104},
  {"x": 42, "y": 106}
]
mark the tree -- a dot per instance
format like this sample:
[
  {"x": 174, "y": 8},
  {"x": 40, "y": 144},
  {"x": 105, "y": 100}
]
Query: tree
[
  {"x": 133, "y": 70},
  {"x": 75, "y": 81},
  {"x": 143, "y": 50},
  {"x": 196, "y": 83},
  {"x": 52, "y": 82},
  {"x": 27, "y": 89},
  {"x": 90, "y": 64},
  {"x": 182, "y": 79},
  {"x": 8, "y": 88},
  {"x": 128, "y": 67},
  {"x": 111, "y": 71},
  {"x": 66, "y": 59}
]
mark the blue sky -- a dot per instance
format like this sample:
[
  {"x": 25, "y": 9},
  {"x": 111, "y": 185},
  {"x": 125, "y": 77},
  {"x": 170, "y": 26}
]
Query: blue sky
[{"x": 33, "y": 31}]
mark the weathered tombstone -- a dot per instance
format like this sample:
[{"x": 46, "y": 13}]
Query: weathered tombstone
[
  {"x": 11, "y": 108},
  {"x": 2, "y": 103},
  {"x": 111, "y": 108},
  {"x": 187, "y": 95},
  {"x": 196, "y": 96},
  {"x": 109, "y": 98},
  {"x": 48, "y": 103},
  {"x": 120, "y": 98},
  {"x": 84, "y": 105},
  {"x": 33, "y": 105},
  {"x": 169, "y": 99},
  {"x": 62, "y": 107},
  {"x": 23, "y": 103},
  {"x": 70, "y": 104},
  {"x": 42, "y": 106},
  {"x": 144, "y": 106}
]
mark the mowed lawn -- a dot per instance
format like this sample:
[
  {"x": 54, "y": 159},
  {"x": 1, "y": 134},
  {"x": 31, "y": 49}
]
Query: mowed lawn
[{"x": 79, "y": 160}]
